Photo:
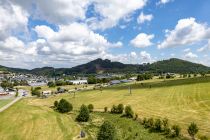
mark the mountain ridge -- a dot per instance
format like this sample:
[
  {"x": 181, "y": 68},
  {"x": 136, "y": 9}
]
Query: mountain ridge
[{"x": 173, "y": 65}]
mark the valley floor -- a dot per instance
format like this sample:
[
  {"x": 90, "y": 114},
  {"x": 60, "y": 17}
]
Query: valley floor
[{"x": 182, "y": 102}]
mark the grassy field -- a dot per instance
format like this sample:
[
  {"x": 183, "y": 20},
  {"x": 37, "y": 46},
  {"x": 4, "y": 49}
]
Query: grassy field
[
  {"x": 127, "y": 129},
  {"x": 27, "y": 120},
  {"x": 181, "y": 101},
  {"x": 3, "y": 102}
]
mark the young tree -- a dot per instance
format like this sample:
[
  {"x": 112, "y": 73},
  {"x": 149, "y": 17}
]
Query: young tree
[
  {"x": 83, "y": 114},
  {"x": 56, "y": 104},
  {"x": 105, "y": 109},
  {"x": 192, "y": 130},
  {"x": 129, "y": 112},
  {"x": 107, "y": 131},
  {"x": 120, "y": 108},
  {"x": 176, "y": 131},
  {"x": 158, "y": 125},
  {"x": 90, "y": 107},
  {"x": 64, "y": 106}
]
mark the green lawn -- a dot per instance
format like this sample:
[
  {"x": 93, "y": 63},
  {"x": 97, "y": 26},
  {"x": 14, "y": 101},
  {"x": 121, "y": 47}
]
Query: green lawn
[{"x": 3, "y": 102}]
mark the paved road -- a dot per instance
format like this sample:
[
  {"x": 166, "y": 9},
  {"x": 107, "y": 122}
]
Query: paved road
[{"x": 10, "y": 104}]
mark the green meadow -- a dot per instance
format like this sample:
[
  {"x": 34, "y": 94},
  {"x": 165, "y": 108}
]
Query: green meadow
[{"x": 182, "y": 101}]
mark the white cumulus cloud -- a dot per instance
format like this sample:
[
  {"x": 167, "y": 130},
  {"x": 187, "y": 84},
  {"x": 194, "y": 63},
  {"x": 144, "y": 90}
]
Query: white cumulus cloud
[{"x": 142, "y": 40}]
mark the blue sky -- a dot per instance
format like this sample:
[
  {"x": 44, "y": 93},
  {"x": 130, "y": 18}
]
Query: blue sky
[{"x": 65, "y": 33}]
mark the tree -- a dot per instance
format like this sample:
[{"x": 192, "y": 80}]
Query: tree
[
  {"x": 105, "y": 109},
  {"x": 64, "y": 106},
  {"x": 158, "y": 125},
  {"x": 107, "y": 131},
  {"x": 83, "y": 114},
  {"x": 192, "y": 130},
  {"x": 56, "y": 104},
  {"x": 51, "y": 84},
  {"x": 176, "y": 130},
  {"x": 120, "y": 108},
  {"x": 128, "y": 111},
  {"x": 90, "y": 107}
]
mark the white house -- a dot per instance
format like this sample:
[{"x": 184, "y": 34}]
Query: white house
[
  {"x": 47, "y": 92},
  {"x": 78, "y": 82}
]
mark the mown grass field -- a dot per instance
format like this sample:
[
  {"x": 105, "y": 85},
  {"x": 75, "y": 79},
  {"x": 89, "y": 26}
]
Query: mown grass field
[
  {"x": 27, "y": 120},
  {"x": 181, "y": 101},
  {"x": 3, "y": 102}
]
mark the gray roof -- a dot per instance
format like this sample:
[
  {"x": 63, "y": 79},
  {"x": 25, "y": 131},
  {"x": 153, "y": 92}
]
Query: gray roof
[{"x": 1, "y": 89}]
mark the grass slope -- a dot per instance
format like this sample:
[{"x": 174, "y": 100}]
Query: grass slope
[
  {"x": 28, "y": 120},
  {"x": 3, "y": 102},
  {"x": 127, "y": 129},
  {"x": 180, "y": 103}
]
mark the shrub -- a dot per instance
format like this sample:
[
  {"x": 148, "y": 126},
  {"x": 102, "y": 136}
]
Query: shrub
[
  {"x": 64, "y": 106},
  {"x": 83, "y": 114},
  {"x": 114, "y": 109},
  {"x": 51, "y": 84},
  {"x": 105, "y": 109},
  {"x": 56, "y": 104},
  {"x": 128, "y": 112},
  {"x": 176, "y": 131},
  {"x": 165, "y": 123},
  {"x": 120, "y": 108},
  {"x": 107, "y": 131},
  {"x": 90, "y": 107},
  {"x": 166, "y": 128},
  {"x": 150, "y": 123},
  {"x": 158, "y": 125},
  {"x": 203, "y": 138},
  {"x": 192, "y": 130}
]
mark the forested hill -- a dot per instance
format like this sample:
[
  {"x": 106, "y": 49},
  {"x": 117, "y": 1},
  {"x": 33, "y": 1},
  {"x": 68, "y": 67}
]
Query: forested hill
[
  {"x": 175, "y": 65},
  {"x": 172, "y": 65}
]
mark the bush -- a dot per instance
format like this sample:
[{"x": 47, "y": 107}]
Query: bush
[
  {"x": 64, "y": 106},
  {"x": 117, "y": 109},
  {"x": 158, "y": 125},
  {"x": 203, "y": 138},
  {"x": 56, "y": 104},
  {"x": 107, "y": 131},
  {"x": 166, "y": 128},
  {"x": 129, "y": 112},
  {"x": 90, "y": 107},
  {"x": 51, "y": 84},
  {"x": 150, "y": 123},
  {"x": 120, "y": 108},
  {"x": 105, "y": 109},
  {"x": 176, "y": 131},
  {"x": 83, "y": 114},
  {"x": 192, "y": 130},
  {"x": 114, "y": 109}
]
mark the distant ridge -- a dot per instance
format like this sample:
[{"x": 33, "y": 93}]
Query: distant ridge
[{"x": 99, "y": 65}]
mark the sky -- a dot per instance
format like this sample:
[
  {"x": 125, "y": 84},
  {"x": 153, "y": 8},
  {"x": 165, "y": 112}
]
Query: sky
[{"x": 66, "y": 33}]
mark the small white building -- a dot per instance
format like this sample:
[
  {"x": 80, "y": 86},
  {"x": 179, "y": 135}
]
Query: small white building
[
  {"x": 78, "y": 82},
  {"x": 47, "y": 92}
]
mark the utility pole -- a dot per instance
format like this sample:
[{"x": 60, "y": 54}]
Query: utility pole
[{"x": 130, "y": 84}]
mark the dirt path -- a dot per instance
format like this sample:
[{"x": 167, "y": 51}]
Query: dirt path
[{"x": 10, "y": 104}]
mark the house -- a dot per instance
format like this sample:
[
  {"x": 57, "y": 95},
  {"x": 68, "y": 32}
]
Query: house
[
  {"x": 23, "y": 92},
  {"x": 114, "y": 82},
  {"x": 47, "y": 92},
  {"x": 2, "y": 92},
  {"x": 78, "y": 82}
]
